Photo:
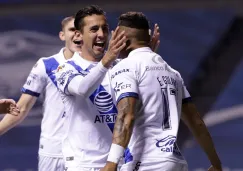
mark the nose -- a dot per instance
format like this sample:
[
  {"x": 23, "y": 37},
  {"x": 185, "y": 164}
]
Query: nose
[
  {"x": 77, "y": 36},
  {"x": 100, "y": 33}
]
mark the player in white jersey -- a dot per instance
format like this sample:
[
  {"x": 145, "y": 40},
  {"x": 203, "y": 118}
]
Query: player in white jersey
[
  {"x": 150, "y": 96},
  {"x": 85, "y": 86},
  {"x": 86, "y": 93},
  {"x": 42, "y": 80}
]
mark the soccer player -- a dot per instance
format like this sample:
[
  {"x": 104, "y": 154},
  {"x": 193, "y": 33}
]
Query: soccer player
[
  {"x": 150, "y": 96},
  {"x": 8, "y": 106},
  {"x": 42, "y": 80},
  {"x": 86, "y": 92}
]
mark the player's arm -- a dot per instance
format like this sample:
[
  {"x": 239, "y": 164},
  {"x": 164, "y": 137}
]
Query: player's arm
[
  {"x": 123, "y": 129},
  {"x": 195, "y": 123},
  {"x": 78, "y": 83},
  {"x": 126, "y": 90},
  {"x": 32, "y": 88},
  {"x": 24, "y": 104}
]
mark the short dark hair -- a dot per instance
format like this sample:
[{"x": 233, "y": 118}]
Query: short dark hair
[
  {"x": 138, "y": 21},
  {"x": 66, "y": 20},
  {"x": 134, "y": 20},
  {"x": 84, "y": 12}
]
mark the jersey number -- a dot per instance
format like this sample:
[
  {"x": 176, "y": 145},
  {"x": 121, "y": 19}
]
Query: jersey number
[{"x": 166, "y": 123}]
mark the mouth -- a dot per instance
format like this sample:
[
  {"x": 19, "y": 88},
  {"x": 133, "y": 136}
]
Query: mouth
[
  {"x": 100, "y": 44},
  {"x": 77, "y": 42}
]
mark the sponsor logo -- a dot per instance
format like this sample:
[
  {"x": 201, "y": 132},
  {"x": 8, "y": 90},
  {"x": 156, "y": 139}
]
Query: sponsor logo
[
  {"x": 103, "y": 101},
  {"x": 60, "y": 67},
  {"x": 157, "y": 59},
  {"x": 168, "y": 145},
  {"x": 111, "y": 118},
  {"x": 31, "y": 77},
  {"x": 120, "y": 86},
  {"x": 119, "y": 72},
  {"x": 154, "y": 68},
  {"x": 62, "y": 78}
]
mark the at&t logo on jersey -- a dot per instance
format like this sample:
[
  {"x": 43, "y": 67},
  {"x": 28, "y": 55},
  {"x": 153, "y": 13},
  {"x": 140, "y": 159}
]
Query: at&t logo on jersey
[
  {"x": 103, "y": 101},
  {"x": 105, "y": 106},
  {"x": 168, "y": 144}
]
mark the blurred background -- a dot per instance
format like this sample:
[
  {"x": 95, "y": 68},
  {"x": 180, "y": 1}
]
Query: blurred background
[{"x": 202, "y": 39}]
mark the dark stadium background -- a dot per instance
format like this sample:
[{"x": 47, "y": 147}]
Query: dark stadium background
[{"x": 200, "y": 38}]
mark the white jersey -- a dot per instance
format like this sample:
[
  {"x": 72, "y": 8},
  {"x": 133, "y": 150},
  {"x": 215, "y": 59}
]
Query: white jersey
[
  {"x": 42, "y": 80},
  {"x": 90, "y": 116},
  {"x": 160, "y": 91}
]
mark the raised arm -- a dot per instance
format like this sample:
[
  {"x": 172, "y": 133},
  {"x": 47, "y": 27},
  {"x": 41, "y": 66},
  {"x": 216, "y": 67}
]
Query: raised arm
[{"x": 73, "y": 81}]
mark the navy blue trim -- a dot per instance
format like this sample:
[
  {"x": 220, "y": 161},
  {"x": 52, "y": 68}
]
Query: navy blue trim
[
  {"x": 127, "y": 94},
  {"x": 186, "y": 100},
  {"x": 32, "y": 93}
]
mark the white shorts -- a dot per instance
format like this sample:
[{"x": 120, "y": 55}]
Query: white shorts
[
  {"x": 50, "y": 163},
  {"x": 156, "y": 166},
  {"x": 82, "y": 169}
]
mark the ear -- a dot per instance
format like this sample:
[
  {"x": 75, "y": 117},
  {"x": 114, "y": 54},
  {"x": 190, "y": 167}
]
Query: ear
[{"x": 61, "y": 36}]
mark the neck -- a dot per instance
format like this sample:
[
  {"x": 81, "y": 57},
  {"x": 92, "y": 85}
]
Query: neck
[
  {"x": 136, "y": 46},
  {"x": 89, "y": 57},
  {"x": 67, "y": 53}
]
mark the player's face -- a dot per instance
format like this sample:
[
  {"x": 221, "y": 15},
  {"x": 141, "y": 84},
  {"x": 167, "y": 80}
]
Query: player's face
[
  {"x": 94, "y": 36},
  {"x": 69, "y": 35}
]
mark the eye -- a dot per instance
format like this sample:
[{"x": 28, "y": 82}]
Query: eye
[
  {"x": 105, "y": 28},
  {"x": 72, "y": 29},
  {"x": 94, "y": 29}
]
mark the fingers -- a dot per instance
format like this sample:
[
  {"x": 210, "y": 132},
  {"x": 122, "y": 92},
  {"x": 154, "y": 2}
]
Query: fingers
[
  {"x": 121, "y": 42},
  {"x": 156, "y": 28},
  {"x": 10, "y": 101},
  {"x": 14, "y": 110},
  {"x": 154, "y": 44},
  {"x": 119, "y": 36},
  {"x": 114, "y": 33},
  {"x": 121, "y": 47}
]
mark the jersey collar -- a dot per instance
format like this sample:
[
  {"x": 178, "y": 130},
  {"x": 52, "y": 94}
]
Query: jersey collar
[
  {"x": 142, "y": 49},
  {"x": 61, "y": 54},
  {"x": 83, "y": 62}
]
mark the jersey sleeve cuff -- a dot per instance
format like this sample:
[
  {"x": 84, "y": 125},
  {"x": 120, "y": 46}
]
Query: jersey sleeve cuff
[
  {"x": 32, "y": 93},
  {"x": 128, "y": 94},
  {"x": 101, "y": 67},
  {"x": 186, "y": 100}
]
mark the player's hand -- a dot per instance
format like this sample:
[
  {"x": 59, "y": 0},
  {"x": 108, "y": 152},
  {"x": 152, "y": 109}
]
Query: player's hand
[
  {"x": 116, "y": 44},
  {"x": 8, "y": 106},
  {"x": 109, "y": 167},
  {"x": 155, "y": 39},
  {"x": 214, "y": 169}
]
